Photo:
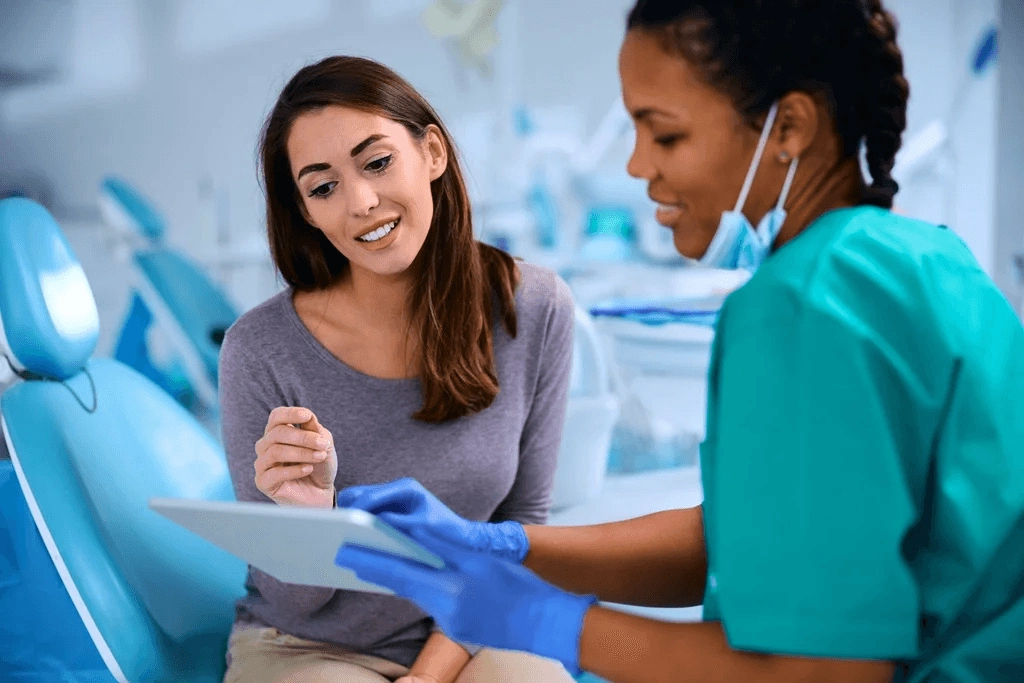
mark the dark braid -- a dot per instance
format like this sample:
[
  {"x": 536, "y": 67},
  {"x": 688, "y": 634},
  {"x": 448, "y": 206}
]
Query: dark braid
[
  {"x": 883, "y": 104},
  {"x": 756, "y": 51}
]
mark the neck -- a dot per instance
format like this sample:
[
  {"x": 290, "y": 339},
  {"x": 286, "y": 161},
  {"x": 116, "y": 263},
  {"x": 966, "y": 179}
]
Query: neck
[
  {"x": 829, "y": 187},
  {"x": 382, "y": 301}
]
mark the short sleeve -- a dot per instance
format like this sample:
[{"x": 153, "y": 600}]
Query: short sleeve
[{"x": 806, "y": 498}]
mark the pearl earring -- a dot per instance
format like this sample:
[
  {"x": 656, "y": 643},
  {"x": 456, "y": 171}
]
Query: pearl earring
[{"x": 783, "y": 156}]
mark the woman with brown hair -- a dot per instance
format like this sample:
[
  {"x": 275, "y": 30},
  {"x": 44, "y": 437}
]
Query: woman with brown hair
[{"x": 401, "y": 348}]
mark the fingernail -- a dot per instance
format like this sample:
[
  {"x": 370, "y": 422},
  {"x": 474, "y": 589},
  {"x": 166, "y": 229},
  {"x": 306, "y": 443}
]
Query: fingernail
[
  {"x": 307, "y": 468},
  {"x": 319, "y": 455},
  {"x": 322, "y": 443}
]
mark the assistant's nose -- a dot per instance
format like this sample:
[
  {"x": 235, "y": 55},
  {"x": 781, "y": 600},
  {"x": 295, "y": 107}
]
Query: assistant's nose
[{"x": 640, "y": 165}]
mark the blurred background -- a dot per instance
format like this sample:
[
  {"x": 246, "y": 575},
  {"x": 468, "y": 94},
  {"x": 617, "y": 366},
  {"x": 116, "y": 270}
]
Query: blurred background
[
  {"x": 136, "y": 123},
  {"x": 170, "y": 94}
]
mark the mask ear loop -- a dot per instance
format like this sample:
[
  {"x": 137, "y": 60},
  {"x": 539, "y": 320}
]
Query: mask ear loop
[
  {"x": 756, "y": 161},
  {"x": 790, "y": 174}
]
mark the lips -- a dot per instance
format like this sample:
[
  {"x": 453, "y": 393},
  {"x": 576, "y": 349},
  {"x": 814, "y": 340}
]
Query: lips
[{"x": 667, "y": 214}]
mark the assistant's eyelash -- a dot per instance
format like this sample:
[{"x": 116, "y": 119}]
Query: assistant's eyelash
[
  {"x": 668, "y": 141},
  {"x": 383, "y": 162}
]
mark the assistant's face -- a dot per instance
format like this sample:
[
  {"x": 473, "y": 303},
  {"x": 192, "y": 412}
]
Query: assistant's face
[
  {"x": 692, "y": 146},
  {"x": 364, "y": 181}
]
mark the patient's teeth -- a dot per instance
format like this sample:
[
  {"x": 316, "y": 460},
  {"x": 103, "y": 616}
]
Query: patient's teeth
[{"x": 379, "y": 232}]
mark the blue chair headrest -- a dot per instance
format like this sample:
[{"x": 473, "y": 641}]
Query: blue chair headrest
[
  {"x": 48, "y": 319},
  {"x": 125, "y": 206}
]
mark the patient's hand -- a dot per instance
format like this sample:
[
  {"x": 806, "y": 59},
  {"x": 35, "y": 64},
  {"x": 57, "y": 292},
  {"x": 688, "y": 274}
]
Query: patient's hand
[
  {"x": 295, "y": 459},
  {"x": 440, "y": 661}
]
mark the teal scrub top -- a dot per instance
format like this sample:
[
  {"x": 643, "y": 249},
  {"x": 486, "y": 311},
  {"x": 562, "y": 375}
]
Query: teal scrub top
[{"x": 863, "y": 468}]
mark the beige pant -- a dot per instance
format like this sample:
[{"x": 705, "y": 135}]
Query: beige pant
[{"x": 265, "y": 655}]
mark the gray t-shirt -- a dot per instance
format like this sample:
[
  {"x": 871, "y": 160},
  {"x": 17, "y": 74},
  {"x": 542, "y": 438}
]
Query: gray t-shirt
[{"x": 495, "y": 465}]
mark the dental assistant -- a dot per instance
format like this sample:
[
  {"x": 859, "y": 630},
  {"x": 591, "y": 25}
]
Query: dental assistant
[{"x": 863, "y": 468}]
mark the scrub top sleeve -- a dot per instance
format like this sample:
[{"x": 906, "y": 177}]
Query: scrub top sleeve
[{"x": 809, "y": 498}]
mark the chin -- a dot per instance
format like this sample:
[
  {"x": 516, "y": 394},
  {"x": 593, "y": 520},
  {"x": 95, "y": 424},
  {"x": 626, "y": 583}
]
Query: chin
[
  {"x": 386, "y": 267},
  {"x": 686, "y": 247}
]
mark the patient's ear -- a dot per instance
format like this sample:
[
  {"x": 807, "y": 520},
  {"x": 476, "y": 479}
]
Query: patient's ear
[{"x": 436, "y": 151}]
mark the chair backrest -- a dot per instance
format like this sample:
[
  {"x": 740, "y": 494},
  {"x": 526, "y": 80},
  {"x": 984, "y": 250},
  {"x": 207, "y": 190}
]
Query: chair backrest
[
  {"x": 126, "y": 210},
  {"x": 92, "y": 441},
  {"x": 197, "y": 306},
  {"x": 188, "y": 306},
  {"x": 48, "y": 318}
]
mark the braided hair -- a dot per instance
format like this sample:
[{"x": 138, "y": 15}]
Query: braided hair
[{"x": 756, "y": 51}]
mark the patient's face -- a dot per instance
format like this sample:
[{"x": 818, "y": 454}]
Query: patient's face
[{"x": 364, "y": 181}]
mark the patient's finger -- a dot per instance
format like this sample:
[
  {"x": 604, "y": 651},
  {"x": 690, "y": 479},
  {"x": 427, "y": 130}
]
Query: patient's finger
[
  {"x": 311, "y": 424},
  {"x": 286, "y": 434},
  {"x": 271, "y": 479},
  {"x": 279, "y": 454},
  {"x": 287, "y": 415}
]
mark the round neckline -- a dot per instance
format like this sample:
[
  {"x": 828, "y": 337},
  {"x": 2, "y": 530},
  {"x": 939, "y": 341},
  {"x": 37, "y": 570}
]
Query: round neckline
[{"x": 328, "y": 357}]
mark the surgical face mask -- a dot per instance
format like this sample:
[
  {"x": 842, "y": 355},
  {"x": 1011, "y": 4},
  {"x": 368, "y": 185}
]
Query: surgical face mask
[{"x": 736, "y": 243}]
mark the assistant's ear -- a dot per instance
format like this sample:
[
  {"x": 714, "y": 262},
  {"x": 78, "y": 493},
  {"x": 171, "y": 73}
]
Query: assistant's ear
[
  {"x": 797, "y": 126},
  {"x": 437, "y": 152}
]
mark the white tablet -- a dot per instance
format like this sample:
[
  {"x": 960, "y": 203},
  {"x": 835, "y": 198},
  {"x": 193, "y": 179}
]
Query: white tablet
[{"x": 292, "y": 544}]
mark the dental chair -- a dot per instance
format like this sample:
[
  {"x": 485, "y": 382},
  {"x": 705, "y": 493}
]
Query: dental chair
[
  {"x": 187, "y": 307},
  {"x": 90, "y": 442}
]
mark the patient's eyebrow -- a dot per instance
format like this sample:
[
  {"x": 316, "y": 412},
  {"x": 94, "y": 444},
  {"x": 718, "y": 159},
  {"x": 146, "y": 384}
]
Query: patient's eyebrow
[
  {"x": 366, "y": 143},
  {"x": 312, "y": 168}
]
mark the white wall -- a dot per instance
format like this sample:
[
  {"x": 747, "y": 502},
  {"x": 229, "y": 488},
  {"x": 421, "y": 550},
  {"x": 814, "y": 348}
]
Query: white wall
[
  {"x": 196, "y": 111},
  {"x": 198, "y": 81},
  {"x": 938, "y": 38},
  {"x": 1010, "y": 164}
]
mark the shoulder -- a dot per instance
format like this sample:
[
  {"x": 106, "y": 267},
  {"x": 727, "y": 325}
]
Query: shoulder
[
  {"x": 543, "y": 298},
  {"x": 267, "y": 324},
  {"x": 863, "y": 259},
  {"x": 901, "y": 290}
]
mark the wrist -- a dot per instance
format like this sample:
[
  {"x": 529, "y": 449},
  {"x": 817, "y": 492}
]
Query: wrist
[
  {"x": 327, "y": 500},
  {"x": 561, "y": 620},
  {"x": 509, "y": 541}
]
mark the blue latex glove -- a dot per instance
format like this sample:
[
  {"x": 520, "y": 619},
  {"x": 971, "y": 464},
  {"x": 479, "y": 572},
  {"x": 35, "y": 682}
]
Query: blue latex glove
[
  {"x": 408, "y": 507},
  {"x": 481, "y": 599}
]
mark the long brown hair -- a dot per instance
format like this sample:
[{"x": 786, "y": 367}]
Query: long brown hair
[{"x": 458, "y": 280}]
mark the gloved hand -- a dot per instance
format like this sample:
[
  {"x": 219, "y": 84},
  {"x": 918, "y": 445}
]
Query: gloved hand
[
  {"x": 479, "y": 598},
  {"x": 407, "y": 506}
]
